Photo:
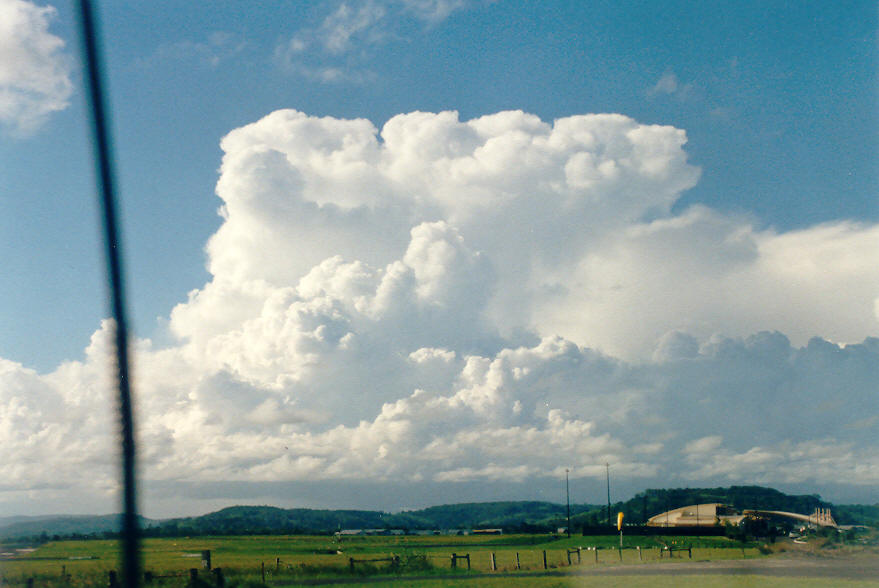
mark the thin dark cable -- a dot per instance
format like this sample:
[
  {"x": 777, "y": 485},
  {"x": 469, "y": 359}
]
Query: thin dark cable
[{"x": 103, "y": 161}]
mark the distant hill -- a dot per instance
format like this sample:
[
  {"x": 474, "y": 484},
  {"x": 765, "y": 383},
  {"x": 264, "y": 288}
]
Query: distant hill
[
  {"x": 509, "y": 515},
  {"x": 6, "y": 521},
  {"x": 63, "y": 525},
  {"x": 526, "y": 516},
  {"x": 856, "y": 514},
  {"x": 269, "y": 519}
]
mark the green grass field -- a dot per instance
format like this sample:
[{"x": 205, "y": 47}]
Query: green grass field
[{"x": 288, "y": 558}]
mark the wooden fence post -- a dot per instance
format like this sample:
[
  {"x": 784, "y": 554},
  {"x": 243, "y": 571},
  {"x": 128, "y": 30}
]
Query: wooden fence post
[
  {"x": 454, "y": 561},
  {"x": 492, "y": 562},
  {"x": 220, "y": 580},
  {"x": 113, "y": 582},
  {"x": 468, "y": 561},
  {"x": 596, "y": 553},
  {"x": 568, "y": 551},
  {"x": 518, "y": 565},
  {"x": 579, "y": 557},
  {"x": 262, "y": 568},
  {"x": 639, "y": 553},
  {"x": 193, "y": 576},
  {"x": 544, "y": 559},
  {"x": 206, "y": 559},
  {"x": 690, "y": 551}
]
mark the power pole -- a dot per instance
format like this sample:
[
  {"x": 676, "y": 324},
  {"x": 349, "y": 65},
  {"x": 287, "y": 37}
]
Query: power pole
[
  {"x": 607, "y": 472},
  {"x": 568, "y": 498}
]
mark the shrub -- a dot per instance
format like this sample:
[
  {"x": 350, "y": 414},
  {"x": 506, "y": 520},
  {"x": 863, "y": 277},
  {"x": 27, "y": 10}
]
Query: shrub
[{"x": 414, "y": 563}]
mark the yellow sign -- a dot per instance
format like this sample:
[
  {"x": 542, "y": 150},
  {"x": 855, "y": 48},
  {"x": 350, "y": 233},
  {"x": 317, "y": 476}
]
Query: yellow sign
[{"x": 619, "y": 521}]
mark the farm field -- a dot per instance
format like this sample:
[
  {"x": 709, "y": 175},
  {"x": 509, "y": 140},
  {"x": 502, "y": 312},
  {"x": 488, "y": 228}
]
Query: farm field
[{"x": 291, "y": 559}]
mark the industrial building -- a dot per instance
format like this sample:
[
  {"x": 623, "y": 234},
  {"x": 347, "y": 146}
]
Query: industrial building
[
  {"x": 697, "y": 515},
  {"x": 715, "y": 514}
]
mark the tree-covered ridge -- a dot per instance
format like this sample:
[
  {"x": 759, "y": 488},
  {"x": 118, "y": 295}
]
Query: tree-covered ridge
[
  {"x": 244, "y": 519},
  {"x": 651, "y": 502},
  {"x": 526, "y": 516},
  {"x": 856, "y": 514},
  {"x": 654, "y": 501},
  {"x": 507, "y": 514}
]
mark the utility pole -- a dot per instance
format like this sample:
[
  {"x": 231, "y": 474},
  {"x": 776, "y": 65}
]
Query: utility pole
[
  {"x": 568, "y": 498},
  {"x": 607, "y": 473}
]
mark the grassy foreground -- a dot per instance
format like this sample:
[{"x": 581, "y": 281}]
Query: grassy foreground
[{"x": 286, "y": 559}]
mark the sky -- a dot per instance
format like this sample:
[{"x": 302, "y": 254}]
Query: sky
[{"x": 395, "y": 253}]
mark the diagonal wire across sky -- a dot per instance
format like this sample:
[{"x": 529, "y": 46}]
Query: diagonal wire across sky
[{"x": 103, "y": 156}]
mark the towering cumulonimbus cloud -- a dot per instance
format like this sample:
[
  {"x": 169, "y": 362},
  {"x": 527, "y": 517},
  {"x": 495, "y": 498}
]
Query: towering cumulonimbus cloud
[
  {"x": 572, "y": 222},
  {"x": 449, "y": 301}
]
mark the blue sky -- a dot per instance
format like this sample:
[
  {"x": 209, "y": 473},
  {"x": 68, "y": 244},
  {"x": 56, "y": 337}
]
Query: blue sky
[{"x": 777, "y": 101}]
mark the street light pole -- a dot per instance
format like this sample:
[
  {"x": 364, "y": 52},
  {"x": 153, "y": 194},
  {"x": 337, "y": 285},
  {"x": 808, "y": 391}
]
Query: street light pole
[
  {"x": 607, "y": 473},
  {"x": 568, "y": 498}
]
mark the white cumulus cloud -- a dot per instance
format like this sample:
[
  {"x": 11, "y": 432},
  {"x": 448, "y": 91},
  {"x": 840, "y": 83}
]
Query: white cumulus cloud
[
  {"x": 442, "y": 302},
  {"x": 34, "y": 70}
]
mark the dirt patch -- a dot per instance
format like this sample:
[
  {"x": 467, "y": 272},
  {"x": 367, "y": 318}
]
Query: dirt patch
[
  {"x": 849, "y": 566},
  {"x": 864, "y": 566}
]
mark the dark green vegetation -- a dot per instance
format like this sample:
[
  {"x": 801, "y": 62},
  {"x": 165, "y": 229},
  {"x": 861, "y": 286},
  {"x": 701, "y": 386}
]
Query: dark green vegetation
[
  {"x": 525, "y": 516},
  {"x": 857, "y": 514},
  {"x": 521, "y": 516},
  {"x": 651, "y": 502},
  {"x": 511, "y": 516}
]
